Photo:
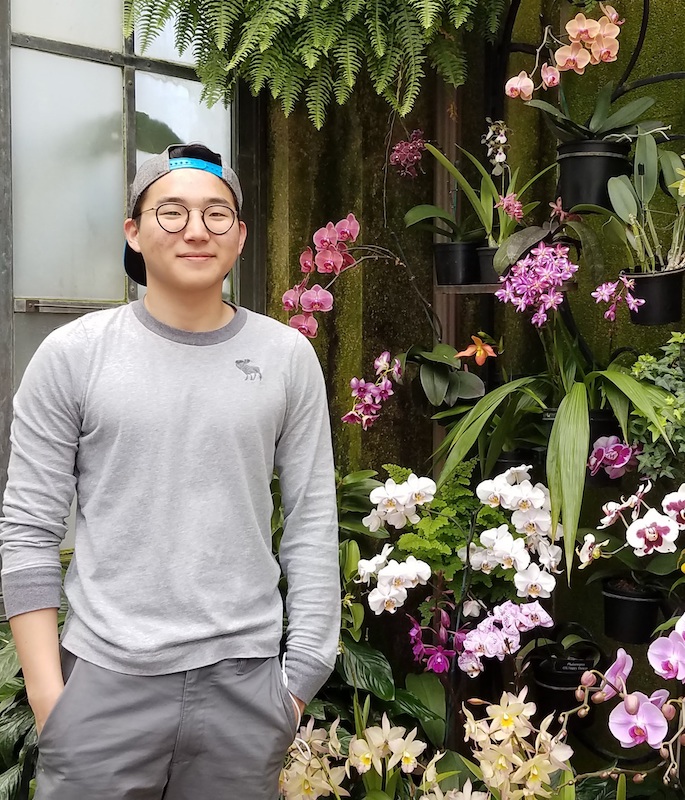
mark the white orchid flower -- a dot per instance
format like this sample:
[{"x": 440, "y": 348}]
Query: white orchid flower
[
  {"x": 655, "y": 532},
  {"x": 491, "y": 537},
  {"x": 522, "y": 496},
  {"x": 374, "y": 521},
  {"x": 534, "y": 582},
  {"x": 512, "y": 553},
  {"x": 532, "y": 522},
  {"x": 471, "y": 608},
  {"x": 489, "y": 492},
  {"x": 388, "y": 496},
  {"x": 387, "y": 598},
  {"x": 401, "y": 514},
  {"x": 367, "y": 568},
  {"x": 516, "y": 475},
  {"x": 420, "y": 571},
  {"x": 549, "y": 555},
  {"x": 590, "y": 550},
  {"x": 420, "y": 490}
]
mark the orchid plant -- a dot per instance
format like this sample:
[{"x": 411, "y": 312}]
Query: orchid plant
[{"x": 498, "y": 206}]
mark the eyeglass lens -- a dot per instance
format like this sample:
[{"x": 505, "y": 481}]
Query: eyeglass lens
[{"x": 173, "y": 218}]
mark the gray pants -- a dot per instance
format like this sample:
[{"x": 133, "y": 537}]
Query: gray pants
[{"x": 215, "y": 733}]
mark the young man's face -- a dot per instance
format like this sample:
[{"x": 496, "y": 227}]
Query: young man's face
[{"x": 193, "y": 259}]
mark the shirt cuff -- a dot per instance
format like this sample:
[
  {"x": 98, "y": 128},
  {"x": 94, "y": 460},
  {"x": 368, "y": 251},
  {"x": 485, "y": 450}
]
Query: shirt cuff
[
  {"x": 305, "y": 674},
  {"x": 31, "y": 589}
]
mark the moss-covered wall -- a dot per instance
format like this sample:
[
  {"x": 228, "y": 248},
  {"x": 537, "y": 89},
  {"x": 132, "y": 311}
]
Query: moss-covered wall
[{"x": 320, "y": 176}]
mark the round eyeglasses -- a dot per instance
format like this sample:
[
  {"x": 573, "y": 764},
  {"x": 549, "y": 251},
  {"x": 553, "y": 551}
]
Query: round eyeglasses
[{"x": 173, "y": 217}]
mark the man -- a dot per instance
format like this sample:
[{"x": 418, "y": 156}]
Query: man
[{"x": 168, "y": 417}]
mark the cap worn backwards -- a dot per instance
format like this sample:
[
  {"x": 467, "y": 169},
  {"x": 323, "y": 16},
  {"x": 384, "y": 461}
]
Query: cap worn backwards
[{"x": 158, "y": 166}]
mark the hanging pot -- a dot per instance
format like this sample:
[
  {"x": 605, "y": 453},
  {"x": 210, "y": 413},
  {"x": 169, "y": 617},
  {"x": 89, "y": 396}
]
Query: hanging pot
[
  {"x": 630, "y": 610},
  {"x": 488, "y": 274},
  {"x": 663, "y": 296},
  {"x": 456, "y": 263},
  {"x": 585, "y": 167}
]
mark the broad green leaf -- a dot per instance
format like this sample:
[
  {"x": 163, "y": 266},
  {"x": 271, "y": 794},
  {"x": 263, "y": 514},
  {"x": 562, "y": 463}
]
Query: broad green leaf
[
  {"x": 628, "y": 115},
  {"x": 351, "y": 555},
  {"x": 623, "y": 198},
  {"x": 440, "y": 354},
  {"x": 427, "y": 688},
  {"x": 463, "y": 184},
  {"x": 474, "y": 422},
  {"x": 669, "y": 163},
  {"x": 9, "y": 662},
  {"x": 516, "y": 245},
  {"x": 663, "y": 563},
  {"x": 602, "y": 107},
  {"x": 646, "y": 168},
  {"x": 567, "y": 454},
  {"x": 488, "y": 201},
  {"x": 357, "y": 611},
  {"x": 620, "y": 405},
  {"x": 362, "y": 475},
  {"x": 467, "y": 385},
  {"x": 621, "y": 787},
  {"x": 9, "y": 782},
  {"x": 377, "y": 794},
  {"x": 424, "y": 212},
  {"x": 367, "y": 669},
  {"x": 638, "y": 395},
  {"x": 435, "y": 381},
  {"x": 590, "y": 245},
  {"x": 406, "y": 703}
]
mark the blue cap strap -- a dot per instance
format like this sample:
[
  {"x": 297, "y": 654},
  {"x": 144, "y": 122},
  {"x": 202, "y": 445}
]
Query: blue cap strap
[{"x": 196, "y": 163}]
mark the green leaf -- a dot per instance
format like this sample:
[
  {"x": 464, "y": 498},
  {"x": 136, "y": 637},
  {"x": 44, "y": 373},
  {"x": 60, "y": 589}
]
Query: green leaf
[
  {"x": 638, "y": 395},
  {"x": 9, "y": 662},
  {"x": 428, "y": 690},
  {"x": 627, "y": 115},
  {"x": 441, "y": 354},
  {"x": 646, "y": 168},
  {"x": 516, "y": 245},
  {"x": 623, "y": 198},
  {"x": 377, "y": 794},
  {"x": 620, "y": 405},
  {"x": 367, "y": 669},
  {"x": 567, "y": 454},
  {"x": 463, "y": 184},
  {"x": 424, "y": 212},
  {"x": 602, "y": 107},
  {"x": 621, "y": 787},
  {"x": 406, "y": 703},
  {"x": 352, "y": 556},
  {"x": 670, "y": 162},
  {"x": 590, "y": 245},
  {"x": 473, "y": 423},
  {"x": 435, "y": 381},
  {"x": 663, "y": 563},
  {"x": 9, "y": 782}
]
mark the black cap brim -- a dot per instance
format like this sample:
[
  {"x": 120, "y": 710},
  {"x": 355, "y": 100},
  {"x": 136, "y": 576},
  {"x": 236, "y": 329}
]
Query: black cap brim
[{"x": 134, "y": 266}]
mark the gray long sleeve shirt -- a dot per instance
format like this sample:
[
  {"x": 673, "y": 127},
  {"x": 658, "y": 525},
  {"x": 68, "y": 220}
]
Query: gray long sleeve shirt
[{"x": 170, "y": 439}]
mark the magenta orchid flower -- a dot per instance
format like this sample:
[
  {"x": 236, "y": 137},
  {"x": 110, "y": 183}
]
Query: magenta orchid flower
[
  {"x": 438, "y": 658},
  {"x": 304, "y": 323},
  {"x": 673, "y": 506},
  {"x": 307, "y": 260},
  {"x": 647, "y": 724},
  {"x": 348, "y": 229},
  {"x": 667, "y": 656},
  {"x": 369, "y": 396},
  {"x": 617, "y": 674},
  {"x": 612, "y": 455},
  {"x": 328, "y": 261},
  {"x": 316, "y": 299},
  {"x": 291, "y": 299}
]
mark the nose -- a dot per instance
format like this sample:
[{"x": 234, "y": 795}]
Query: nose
[{"x": 195, "y": 229}]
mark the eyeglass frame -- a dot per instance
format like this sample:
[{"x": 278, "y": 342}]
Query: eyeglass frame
[{"x": 236, "y": 216}]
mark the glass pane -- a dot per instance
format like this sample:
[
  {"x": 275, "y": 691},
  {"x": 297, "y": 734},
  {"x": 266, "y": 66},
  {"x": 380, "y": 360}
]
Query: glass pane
[
  {"x": 169, "y": 111},
  {"x": 97, "y": 23},
  {"x": 68, "y": 178},
  {"x": 162, "y": 47}
]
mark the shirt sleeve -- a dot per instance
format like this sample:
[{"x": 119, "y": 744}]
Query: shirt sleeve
[
  {"x": 41, "y": 482},
  {"x": 309, "y": 546}
]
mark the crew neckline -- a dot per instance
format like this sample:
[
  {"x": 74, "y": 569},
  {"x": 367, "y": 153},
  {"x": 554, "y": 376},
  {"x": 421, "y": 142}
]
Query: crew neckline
[{"x": 196, "y": 338}]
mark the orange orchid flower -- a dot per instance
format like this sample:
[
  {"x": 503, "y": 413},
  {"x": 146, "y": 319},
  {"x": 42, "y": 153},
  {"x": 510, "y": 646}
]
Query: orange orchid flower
[
  {"x": 582, "y": 29},
  {"x": 479, "y": 349}
]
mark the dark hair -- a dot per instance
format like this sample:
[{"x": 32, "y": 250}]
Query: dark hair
[{"x": 190, "y": 151}]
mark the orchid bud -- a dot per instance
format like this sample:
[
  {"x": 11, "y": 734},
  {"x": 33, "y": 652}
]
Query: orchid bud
[
  {"x": 476, "y": 701},
  {"x": 668, "y": 711},
  {"x": 613, "y": 776},
  {"x": 681, "y": 738},
  {"x": 639, "y": 778},
  {"x": 604, "y": 774},
  {"x": 588, "y": 678},
  {"x": 663, "y": 752},
  {"x": 598, "y": 697},
  {"x": 580, "y": 694},
  {"x": 631, "y": 704},
  {"x": 583, "y": 712}
]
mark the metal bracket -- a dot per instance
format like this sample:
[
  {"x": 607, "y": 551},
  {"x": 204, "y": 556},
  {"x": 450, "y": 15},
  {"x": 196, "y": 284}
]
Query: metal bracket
[{"x": 26, "y": 305}]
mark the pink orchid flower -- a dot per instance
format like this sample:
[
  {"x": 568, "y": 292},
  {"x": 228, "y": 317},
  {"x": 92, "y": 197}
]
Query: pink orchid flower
[
  {"x": 291, "y": 299},
  {"x": 316, "y": 299},
  {"x": 617, "y": 674},
  {"x": 328, "y": 261},
  {"x": 572, "y": 56},
  {"x": 647, "y": 724},
  {"x": 667, "y": 656},
  {"x": 326, "y": 238},
  {"x": 604, "y": 50},
  {"x": 305, "y": 323},
  {"x": 608, "y": 28},
  {"x": 348, "y": 229},
  {"x": 307, "y": 260},
  {"x": 582, "y": 29},
  {"x": 611, "y": 14},
  {"x": 520, "y": 86},
  {"x": 550, "y": 76},
  {"x": 673, "y": 506}
]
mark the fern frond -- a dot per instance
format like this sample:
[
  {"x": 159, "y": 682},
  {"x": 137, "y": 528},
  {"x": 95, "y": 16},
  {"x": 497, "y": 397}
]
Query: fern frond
[
  {"x": 376, "y": 19},
  {"x": 218, "y": 83},
  {"x": 323, "y": 27},
  {"x": 449, "y": 60},
  {"x": 489, "y": 16},
  {"x": 459, "y": 11},
  {"x": 219, "y": 18},
  {"x": 147, "y": 20},
  {"x": 352, "y": 7},
  {"x": 348, "y": 53},
  {"x": 318, "y": 92},
  {"x": 186, "y": 23},
  {"x": 383, "y": 71},
  {"x": 264, "y": 20},
  {"x": 259, "y": 68},
  {"x": 302, "y": 8},
  {"x": 409, "y": 36},
  {"x": 427, "y": 11}
]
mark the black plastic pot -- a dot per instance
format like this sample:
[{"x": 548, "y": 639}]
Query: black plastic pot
[
  {"x": 556, "y": 681},
  {"x": 630, "y": 611},
  {"x": 585, "y": 167},
  {"x": 456, "y": 263},
  {"x": 488, "y": 274},
  {"x": 663, "y": 296}
]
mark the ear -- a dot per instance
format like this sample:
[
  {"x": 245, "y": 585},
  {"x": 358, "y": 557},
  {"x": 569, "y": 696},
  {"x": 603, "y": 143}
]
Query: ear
[
  {"x": 243, "y": 237},
  {"x": 131, "y": 233}
]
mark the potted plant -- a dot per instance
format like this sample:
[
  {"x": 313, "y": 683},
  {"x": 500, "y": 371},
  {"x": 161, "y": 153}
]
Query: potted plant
[
  {"x": 597, "y": 148},
  {"x": 497, "y": 206},
  {"x": 654, "y": 240},
  {"x": 572, "y": 384}
]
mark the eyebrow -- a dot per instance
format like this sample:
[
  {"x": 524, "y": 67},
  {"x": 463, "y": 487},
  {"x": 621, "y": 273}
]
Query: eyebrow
[{"x": 207, "y": 201}]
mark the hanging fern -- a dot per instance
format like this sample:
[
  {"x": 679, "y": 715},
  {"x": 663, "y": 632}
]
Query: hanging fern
[{"x": 315, "y": 50}]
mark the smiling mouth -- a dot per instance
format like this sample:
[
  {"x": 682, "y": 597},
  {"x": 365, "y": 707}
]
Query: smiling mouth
[{"x": 196, "y": 256}]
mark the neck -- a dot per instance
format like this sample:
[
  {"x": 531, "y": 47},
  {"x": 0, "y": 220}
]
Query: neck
[{"x": 196, "y": 312}]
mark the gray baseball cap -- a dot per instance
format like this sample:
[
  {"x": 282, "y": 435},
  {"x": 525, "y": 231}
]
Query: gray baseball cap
[{"x": 160, "y": 165}]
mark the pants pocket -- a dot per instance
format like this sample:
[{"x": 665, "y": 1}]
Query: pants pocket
[
  {"x": 292, "y": 713},
  {"x": 69, "y": 666}
]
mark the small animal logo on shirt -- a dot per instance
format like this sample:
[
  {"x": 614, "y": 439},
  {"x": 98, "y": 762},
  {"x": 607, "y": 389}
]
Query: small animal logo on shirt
[{"x": 252, "y": 371}]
